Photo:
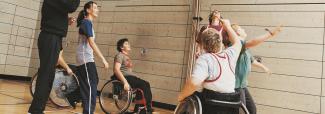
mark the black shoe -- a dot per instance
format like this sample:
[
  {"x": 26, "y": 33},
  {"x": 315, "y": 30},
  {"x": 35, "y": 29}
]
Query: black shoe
[
  {"x": 142, "y": 111},
  {"x": 128, "y": 112},
  {"x": 149, "y": 111},
  {"x": 72, "y": 103}
]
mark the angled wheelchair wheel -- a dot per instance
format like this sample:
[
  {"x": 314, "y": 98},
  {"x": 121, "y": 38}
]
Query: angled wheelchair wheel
[
  {"x": 190, "y": 105},
  {"x": 113, "y": 98},
  {"x": 33, "y": 84},
  {"x": 62, "y": 85}
]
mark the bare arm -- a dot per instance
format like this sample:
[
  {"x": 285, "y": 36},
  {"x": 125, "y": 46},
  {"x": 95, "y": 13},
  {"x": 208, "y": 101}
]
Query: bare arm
[
  {"x": 97, "y": 51},
  {"x": 120, "y": 76},
  {"x": 62, "y": 63},
  {"x": 260, "y": 65},
  {"x": 189, "y": 89},
  {"x": 260, "y": 39},
  {"x": 233, "y": 37}
]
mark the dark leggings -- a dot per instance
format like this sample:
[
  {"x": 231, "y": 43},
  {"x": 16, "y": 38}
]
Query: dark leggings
[{"x": 248, "y": 101}]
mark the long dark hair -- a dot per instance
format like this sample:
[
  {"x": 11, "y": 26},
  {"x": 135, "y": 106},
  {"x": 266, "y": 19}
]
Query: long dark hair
[{"x": 83, "y": 13}]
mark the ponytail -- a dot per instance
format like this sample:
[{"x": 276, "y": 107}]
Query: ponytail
[
  {"x": 81, "y": 16},
  {"x": 83, "y": 13}
]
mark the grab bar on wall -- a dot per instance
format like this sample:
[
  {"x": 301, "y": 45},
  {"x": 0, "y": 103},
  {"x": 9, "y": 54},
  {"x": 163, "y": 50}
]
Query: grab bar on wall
[{"x": 195, "y": 25}]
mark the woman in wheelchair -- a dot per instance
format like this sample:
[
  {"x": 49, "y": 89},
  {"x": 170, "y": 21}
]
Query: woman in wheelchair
[
  {"x": 123, "y": 72},
  {"x": 214, "y": 72}
]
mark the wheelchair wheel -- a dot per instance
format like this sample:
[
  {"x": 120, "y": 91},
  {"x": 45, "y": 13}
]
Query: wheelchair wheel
[
  {"x": 33, "y": 84},
  {"x": 62, "y": 85},
  {"x": 190, "y": 105},
  {"x": 113, "y": 98}
]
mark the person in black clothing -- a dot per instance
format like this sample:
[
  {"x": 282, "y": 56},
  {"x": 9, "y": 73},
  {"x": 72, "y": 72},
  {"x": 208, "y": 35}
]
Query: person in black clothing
[{"x": 54, "y": 26}]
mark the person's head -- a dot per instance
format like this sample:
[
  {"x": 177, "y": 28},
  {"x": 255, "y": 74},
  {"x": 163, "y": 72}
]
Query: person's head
[
  {"x": 240, "y": 31},
  {"x": 123, "y": 45},
  {"x": 215, "y": 14},
  {"x": 198, "y": 38},
  {"x": 90, "y": 10},
  {"x": 211, "y": 40}
]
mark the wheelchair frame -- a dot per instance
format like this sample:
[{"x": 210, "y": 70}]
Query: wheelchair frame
[{"x": 131, "y": 94}]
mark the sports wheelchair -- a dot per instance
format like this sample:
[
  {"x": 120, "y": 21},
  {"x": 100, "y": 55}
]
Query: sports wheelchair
[
  {"x": 115, "y": 100},
  {"x": 63, "y": 84},
  {"x": 194, "y": 103}
]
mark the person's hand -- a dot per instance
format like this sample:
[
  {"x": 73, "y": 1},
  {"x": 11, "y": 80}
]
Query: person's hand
[
  {"x": 69, "y": 71},
  {"x": 72, "y": 20},
  {"x": 276, "y": 30},
  {"x": 105, "y": 64},
  {"x": 268, "y": 71},
  {"x": 126, "y": 87},
  {"x": 225, "y": 22}
]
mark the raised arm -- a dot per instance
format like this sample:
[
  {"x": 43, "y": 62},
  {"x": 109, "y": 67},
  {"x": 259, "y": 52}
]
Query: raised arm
[
  {"x": 260, "y": 39},
  {"x": 233, "y": 37},
  {"x": 260, "y": 65}
]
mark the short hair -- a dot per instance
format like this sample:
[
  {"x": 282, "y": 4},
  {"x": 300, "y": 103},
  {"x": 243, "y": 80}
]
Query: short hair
[
  {"x": 211, "y": 40},
  {"x": 120, "y": 43}
]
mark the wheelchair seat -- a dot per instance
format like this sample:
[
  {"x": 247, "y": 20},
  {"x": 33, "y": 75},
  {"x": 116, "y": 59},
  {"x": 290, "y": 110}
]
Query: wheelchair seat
[
  {"x": 195, "y": 104},
  {"x": 224, "y": 99}
]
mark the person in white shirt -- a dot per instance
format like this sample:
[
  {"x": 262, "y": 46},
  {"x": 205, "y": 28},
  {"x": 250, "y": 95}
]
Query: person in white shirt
[{"x": 215, "y": 70}]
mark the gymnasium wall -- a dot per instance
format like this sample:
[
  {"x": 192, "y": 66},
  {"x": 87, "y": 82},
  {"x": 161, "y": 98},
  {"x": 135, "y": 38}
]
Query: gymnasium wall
[
  {"x": 18, "y": 19},
  {"x": 295, "y": 56},
  {"x": 163, "y": 29}
]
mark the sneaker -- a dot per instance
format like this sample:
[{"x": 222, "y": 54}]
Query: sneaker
[{"x": 72, "y": 103}]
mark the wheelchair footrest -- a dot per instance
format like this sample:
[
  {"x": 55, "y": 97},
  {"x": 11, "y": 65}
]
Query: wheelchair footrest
[{"x": 139, "y": 102}]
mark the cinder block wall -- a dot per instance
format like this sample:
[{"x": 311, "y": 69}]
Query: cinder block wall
[
  {"x": 296, "y": 56},
  {"x": 164, "y": 28},
  {"x": 18, "y": 20}
]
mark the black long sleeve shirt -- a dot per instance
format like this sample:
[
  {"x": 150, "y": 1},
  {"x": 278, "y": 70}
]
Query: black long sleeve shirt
[{"x": 55, "y": 15}]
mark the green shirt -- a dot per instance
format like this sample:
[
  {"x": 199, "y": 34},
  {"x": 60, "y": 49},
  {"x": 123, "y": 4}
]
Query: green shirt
[{"x": 243, "y": 67}]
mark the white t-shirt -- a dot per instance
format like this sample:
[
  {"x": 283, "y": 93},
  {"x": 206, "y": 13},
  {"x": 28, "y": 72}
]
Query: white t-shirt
[
  {"x": 85, "y": 53},
  {"x": 216, "y": 71}
]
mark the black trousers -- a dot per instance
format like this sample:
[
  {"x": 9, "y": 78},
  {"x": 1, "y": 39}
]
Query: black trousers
[
  {"x": 136, "y": 82},
  {"x": 85, "y": 86},
  {"x": 248, "y": 101},
  {"x": 208, "y": 108},
  {"x": 49, "y": 46}
]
